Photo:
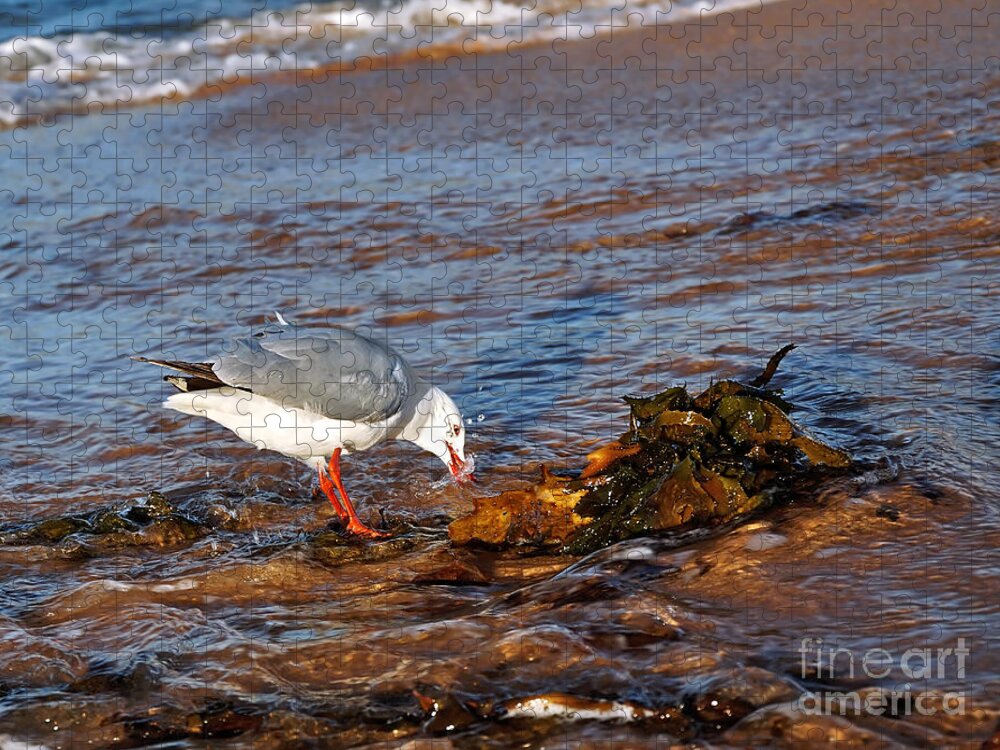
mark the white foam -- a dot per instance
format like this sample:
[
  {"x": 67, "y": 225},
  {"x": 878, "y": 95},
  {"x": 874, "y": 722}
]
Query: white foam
[
  {"x": 41, "y": 76},
  {"x": 547, "y": 708},
  {"x": 111, "y": 585},
  {"x": 184, "y": 584},
  {"x": 469, "y": 468},
  {"x": 9, "y": 743}
]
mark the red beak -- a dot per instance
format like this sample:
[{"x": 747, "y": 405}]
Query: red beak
[{"x": 457, "y": 468}]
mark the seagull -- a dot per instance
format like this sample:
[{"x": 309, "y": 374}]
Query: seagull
[{"x": 314, "y": 394}]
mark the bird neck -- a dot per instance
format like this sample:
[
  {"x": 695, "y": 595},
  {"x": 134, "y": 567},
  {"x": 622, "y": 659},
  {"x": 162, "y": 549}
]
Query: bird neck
[{"x": 419, "y": 414}]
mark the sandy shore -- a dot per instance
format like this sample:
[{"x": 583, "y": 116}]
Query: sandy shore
[{"x": 798, "y": 62}]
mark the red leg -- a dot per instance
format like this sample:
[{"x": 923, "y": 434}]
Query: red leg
[
  {"x": 354, "y": 524},
  {"x": 327, "y": 486}
]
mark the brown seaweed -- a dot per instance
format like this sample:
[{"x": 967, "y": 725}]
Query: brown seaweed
[{"x": 685, "y": 461}]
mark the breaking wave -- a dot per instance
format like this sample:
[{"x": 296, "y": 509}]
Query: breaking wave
[{"x": 44, "y": 75}]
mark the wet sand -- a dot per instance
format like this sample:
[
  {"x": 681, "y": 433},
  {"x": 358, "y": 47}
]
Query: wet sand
[{"x": 543, "y": 230}]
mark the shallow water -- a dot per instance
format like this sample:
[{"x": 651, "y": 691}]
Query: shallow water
[{"x": 541, "y": 243}]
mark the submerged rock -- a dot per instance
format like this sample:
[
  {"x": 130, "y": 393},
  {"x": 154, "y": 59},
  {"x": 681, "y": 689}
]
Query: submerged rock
[
  {"x": 684, "y": 461},
  {"x": 446, "y": 714},
  {"x": 151, "y": 520},
  {"x": 154, "y": 506},
  {"x": 109, "y": 521},
  {"x": 718, "y": 711},
  {"x": 163, "y": 724},
  {"x": 456, "y": 568},
  {"x": 56, "y": 529}
]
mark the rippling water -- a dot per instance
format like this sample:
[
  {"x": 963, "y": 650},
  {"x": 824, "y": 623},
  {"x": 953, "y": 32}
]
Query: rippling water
[{"x": 541, "y": 233}]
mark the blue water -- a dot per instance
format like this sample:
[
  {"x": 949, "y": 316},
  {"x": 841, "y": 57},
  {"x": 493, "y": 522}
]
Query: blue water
[
  {"x": 51, "y": 18},
  {"x": 29, "y": 18}
]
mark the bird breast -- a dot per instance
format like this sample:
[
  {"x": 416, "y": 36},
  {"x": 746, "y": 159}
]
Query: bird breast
[{"x": 268, "y": 425}]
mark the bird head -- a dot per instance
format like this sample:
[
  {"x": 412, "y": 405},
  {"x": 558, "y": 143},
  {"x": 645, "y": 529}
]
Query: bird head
[{"x": 442, "y": 432}]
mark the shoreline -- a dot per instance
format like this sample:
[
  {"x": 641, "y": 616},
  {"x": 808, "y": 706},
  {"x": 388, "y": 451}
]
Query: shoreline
[{"x": 802, "y": 33}]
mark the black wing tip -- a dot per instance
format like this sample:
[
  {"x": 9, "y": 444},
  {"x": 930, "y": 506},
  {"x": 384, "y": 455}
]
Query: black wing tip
[{"x": 191, "y": 384}]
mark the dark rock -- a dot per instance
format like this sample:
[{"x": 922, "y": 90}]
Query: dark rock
[
  {"x": 333, "y": 548},
  {"x": 888, "y": 511},
  {"x": 109, "y": 521},
  {"x": 151, "y": 730},
  {"x": 155, "y": 505},
  {"x": 716, "y": 710},
  {"x": 455, "y": 573},
  {"x": 56, "y": 529},
  {"x": 222, "y": 722},
  {"x": 170, "y": 531},
  {"x": 447, "y": 714}
]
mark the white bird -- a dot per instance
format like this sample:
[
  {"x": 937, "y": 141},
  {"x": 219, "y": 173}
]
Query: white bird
[{"x": 313, "y": 394}]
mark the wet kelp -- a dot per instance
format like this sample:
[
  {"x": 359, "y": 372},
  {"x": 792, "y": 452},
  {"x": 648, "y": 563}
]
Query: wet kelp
[{"x": 685, "y": 461}]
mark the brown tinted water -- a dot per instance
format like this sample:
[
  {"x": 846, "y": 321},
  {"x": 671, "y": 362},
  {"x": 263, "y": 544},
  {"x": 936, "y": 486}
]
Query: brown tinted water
[{"x": 542, "y": 229}]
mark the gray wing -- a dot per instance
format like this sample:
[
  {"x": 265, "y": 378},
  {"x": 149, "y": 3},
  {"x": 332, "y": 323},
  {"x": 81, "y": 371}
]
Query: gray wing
[{"x": 333, "y": 372}]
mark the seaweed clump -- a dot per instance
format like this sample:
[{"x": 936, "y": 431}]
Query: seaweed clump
[{"x": 685, "y": 461}]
